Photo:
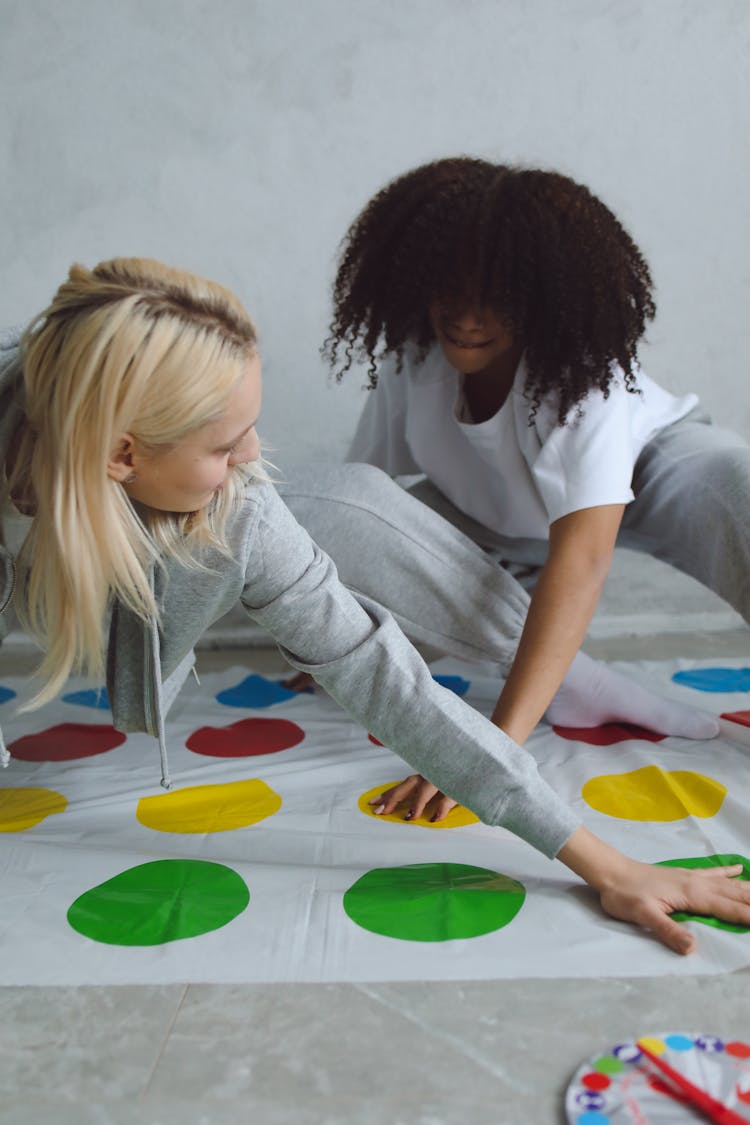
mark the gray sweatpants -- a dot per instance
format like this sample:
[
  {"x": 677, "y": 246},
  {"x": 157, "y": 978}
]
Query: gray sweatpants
[{"x": 458, "y": 587}]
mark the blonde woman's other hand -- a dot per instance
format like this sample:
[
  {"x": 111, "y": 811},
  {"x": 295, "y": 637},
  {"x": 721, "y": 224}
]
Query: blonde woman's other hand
[{"x": 418, "y": 797}]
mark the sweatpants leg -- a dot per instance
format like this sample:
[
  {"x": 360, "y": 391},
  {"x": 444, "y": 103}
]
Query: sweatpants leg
[
  {"x": 442, "y": 588},
  {"x": 692, "y": 506}
]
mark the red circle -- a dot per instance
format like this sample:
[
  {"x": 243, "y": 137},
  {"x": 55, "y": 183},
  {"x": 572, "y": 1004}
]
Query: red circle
[
  {"x": 245, "y": 738},
  {"x": 596, "y": 1081},
  {"x": 737, "y": 1049},
  {"x": 741, "y": 717},
  {"x": 372, "y": 738},
  {"x": 609, "y": 733},
  {"x": 66, "y": 742}
]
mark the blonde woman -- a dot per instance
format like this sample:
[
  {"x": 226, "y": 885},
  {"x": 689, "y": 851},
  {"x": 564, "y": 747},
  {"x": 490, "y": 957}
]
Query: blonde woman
[{"x": 128, "y": 439}]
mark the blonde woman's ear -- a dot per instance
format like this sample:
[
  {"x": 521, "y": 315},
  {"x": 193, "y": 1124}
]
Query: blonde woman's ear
[{"x": 120, "y": 463}]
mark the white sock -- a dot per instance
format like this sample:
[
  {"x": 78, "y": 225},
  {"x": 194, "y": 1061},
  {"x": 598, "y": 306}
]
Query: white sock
[{"x": 593, "y": 693}]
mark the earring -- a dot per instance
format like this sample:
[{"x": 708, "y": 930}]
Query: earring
[{"x": 130, "y": 478}]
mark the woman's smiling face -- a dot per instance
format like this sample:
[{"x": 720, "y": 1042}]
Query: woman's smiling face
[{"x": 471, "y": 338}]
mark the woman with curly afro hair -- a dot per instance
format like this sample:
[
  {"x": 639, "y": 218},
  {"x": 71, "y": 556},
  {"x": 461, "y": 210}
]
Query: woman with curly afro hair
[{"x": 499, "y": 310}]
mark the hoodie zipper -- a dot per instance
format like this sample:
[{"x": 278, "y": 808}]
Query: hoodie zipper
[{"x": 9, "y": 598}]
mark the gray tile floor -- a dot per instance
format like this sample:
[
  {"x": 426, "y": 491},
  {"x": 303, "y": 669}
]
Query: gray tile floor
[{"x": 339, "y": 1054}]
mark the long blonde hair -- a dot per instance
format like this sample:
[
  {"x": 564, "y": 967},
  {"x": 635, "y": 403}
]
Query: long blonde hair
[{"x": 130, "y": 346}]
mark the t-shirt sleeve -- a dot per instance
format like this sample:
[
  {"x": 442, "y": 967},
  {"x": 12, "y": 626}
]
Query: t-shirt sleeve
[
  {"x": 589, "y": 461},
  {"x": 354, "y": 649},
  {"x": 380, "y": 437}
]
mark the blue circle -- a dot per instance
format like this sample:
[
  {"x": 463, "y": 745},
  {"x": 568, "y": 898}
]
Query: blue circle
[
  {"x": 679, "y": 1042},
  {"x": 6, "y": 693},
  {"x": 92, "y": 697},
  {"x": 457, "y": 684},
  {"x": 256, "y": 691},
  {"x": 715, "y": 679},
  {"x": 592, "y": 1119}
]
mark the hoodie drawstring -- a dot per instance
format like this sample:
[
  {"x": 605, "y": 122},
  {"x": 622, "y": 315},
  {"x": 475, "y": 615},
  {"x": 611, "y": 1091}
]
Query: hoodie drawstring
[{"x": 156, "y": 688}]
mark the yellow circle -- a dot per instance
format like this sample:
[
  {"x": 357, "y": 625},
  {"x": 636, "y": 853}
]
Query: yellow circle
[
  {"x": 456, "y": 818},
  {"x": 655, "y": 1046},
  {"x": 209, "y": 808},
  {"x": 651, "y": 793},
  {"x": 23, "y": 808}
]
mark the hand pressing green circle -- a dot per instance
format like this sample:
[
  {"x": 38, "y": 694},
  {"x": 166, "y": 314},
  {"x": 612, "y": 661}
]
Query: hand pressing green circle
[
  {"x": 710, "y": 861},
  {"x": 433, "y": 901},
  {"x": 158, "y": 902}
]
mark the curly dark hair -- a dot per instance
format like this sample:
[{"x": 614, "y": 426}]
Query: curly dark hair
[{"x": 541, "y": 250}]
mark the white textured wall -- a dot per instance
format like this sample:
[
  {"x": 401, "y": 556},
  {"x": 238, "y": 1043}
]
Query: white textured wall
[{"x": 239, "y": 137}]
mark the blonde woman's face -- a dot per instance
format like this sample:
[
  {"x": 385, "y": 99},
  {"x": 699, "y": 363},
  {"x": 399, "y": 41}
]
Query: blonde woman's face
[{"x": 187, "y": 476}]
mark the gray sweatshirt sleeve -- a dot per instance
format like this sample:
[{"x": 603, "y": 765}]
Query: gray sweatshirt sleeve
[{"x": 354, "y": 649}]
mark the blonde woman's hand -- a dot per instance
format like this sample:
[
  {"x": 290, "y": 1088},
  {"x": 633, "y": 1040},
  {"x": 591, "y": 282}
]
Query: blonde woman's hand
[
  {"x": 647, "y": 895},
  {"x": 419, "y": 798}
]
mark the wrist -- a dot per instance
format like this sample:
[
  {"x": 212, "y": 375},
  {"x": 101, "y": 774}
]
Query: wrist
[{"x": 597, "y": 863}]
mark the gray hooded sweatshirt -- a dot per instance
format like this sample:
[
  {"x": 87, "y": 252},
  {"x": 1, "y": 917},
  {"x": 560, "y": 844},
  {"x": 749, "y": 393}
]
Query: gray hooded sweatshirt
[{"x": 348, "y": 643}]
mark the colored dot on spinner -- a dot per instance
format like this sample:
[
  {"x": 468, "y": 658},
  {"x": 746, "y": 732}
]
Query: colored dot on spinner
[
  {"x": 679, "y": 1042},
  {"x": 209, "y": 808},
  {"x": 256, "y": 691},
  {"x": 655, "y": 1046},
  {"x": 714, "y": 679},
  {"x": 710, "y": 1044},
  {"x": 246, "y": 738},
  {"x": 6, "y": 693},
  {"x": 626, "y": 1052},
  {"x": 66, "y": 742},
  {"x": 608, "y": 1064},
  {"x": 737, "y": 1049},
  {"x": 23, "y": 808},
  {"x": 592, "y": 1117},
  {"x": 594, "y": 1081},
  {"x": 459, "y": 817},
  {"x": 159, "y": 902},
  {"x": 590, "y": 1099}
]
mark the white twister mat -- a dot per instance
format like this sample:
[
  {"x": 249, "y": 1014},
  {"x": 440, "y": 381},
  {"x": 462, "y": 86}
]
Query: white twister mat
[{"x": 260, "y": 864}]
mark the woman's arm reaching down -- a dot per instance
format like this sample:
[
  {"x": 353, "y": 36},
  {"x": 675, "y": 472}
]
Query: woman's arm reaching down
[{"x": 356, "y": 652}]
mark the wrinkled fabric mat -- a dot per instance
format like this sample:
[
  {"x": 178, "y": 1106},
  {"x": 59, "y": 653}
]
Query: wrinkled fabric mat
[{"x": 260, "y": 865}]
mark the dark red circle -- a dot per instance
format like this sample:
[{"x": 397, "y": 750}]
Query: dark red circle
[
  {"x": 66, "y": 742},
  {"x": 609, "y": 733},
  {"x": 596, "y": 1081},
  {"x": 245, "y": 738},
  {"x": 372, "y": 738}
]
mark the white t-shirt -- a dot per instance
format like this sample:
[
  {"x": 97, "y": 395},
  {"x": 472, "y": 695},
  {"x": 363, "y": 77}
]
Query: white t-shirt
[{"x": 513, "y": 477}]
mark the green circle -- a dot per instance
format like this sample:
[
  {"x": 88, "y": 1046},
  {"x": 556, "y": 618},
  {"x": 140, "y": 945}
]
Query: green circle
[
  {"x": 159, "y": 902},
  {"x": 608, "y": 1064},
  {"x": 433, "y": 901},
  {"x": 710, "y": 861}
]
